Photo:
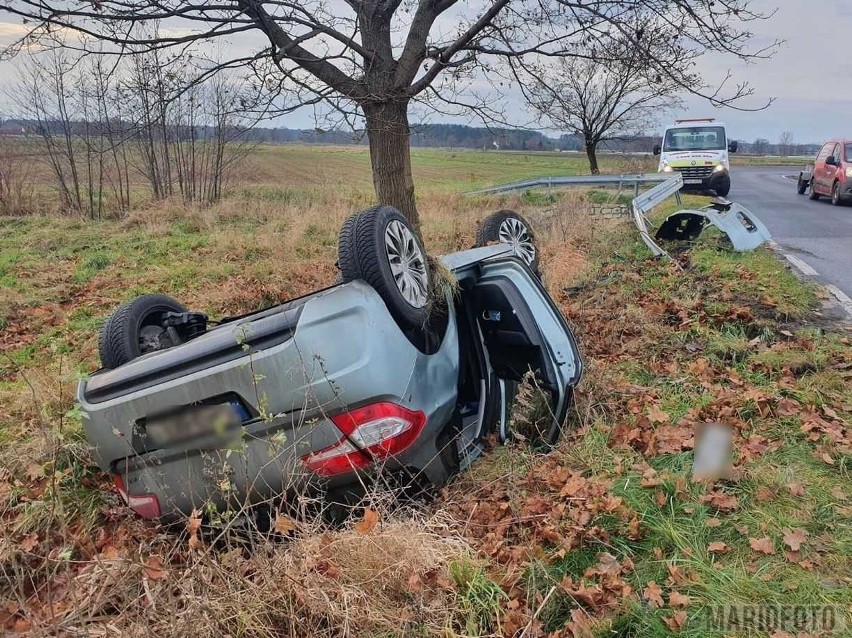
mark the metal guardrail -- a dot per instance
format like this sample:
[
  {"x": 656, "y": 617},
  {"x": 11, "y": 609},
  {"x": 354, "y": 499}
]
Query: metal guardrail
[
  {"x": 667, "y": 184},
  {"x": 621, "y": 181},
  {"x": 647, "y": 201}
]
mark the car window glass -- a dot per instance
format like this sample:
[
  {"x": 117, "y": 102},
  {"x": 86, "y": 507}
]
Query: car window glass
[
  {"x": 696, "y": 138},
  {"x": 849, "y": 151},
  {"x": 835, "y": 153},
  {"x": 825, "y": 152}
]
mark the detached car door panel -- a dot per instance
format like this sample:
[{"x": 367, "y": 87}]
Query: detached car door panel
[{"x": 524, "y": 331}]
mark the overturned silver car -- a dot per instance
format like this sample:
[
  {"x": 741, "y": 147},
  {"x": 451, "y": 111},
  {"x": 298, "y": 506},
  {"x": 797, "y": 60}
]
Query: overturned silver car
[{"x": 398, "y": 372}]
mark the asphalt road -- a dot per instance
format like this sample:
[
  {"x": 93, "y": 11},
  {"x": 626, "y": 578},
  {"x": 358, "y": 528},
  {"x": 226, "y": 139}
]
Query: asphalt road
[{"x": 815, "y": 233}]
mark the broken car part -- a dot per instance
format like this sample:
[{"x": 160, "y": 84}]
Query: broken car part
[{"x": 745, "y": 231}]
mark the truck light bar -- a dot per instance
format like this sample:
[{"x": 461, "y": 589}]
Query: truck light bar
[{"x": 697, "y": 119}]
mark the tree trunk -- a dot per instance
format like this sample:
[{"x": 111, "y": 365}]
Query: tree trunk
[
  {"x": 390, "y": 156},
  {"x": 592, "y": 154}
]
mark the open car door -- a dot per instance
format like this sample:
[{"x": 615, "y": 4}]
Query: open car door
[{"x": 523, "y": 332}]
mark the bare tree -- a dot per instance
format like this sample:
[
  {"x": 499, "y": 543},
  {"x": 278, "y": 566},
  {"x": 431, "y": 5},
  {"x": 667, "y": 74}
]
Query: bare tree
[
  {"x": 374, "y": 58},
  {"x": 616, "y": 95},
  {"x": 16, "y": 186},
  {"x": 785, "y": 143}
]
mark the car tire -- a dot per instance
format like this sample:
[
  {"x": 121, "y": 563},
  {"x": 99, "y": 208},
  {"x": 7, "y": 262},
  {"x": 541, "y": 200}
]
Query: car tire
[
  {"x": 801, "y": 186},
  {"x": 379, "y": 246},
  {"x": 510, "y": 228},
  {"x": 835, "y": 195},
  {"x": 813, "y": 194},
  {"x": 122, "y": 338}
]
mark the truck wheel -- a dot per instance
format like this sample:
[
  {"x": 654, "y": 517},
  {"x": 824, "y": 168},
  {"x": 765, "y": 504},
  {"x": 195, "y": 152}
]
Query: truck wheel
[
  {"x": 134, "y": 329},
  {"x": 380, "y": 247},
  {"x": 813, "y": 194},
  {"x": 801, "y": 186},
  {"x": 508, "y": 227},
  {"x": 835, "y": 194}
]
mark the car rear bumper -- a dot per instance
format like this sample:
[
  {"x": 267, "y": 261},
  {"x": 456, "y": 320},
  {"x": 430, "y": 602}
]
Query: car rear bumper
[{"x": 344, "y": 352}]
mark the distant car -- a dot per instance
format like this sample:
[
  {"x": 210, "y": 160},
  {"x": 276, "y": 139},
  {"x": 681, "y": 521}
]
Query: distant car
[
  {"x": 388, "y": 373},
  {"x": 831, "y": 173}
]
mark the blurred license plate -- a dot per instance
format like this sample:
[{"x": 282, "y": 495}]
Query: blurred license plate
[
  {"x": 693, "y": 181},
  {"x": 200, "y": 421}
]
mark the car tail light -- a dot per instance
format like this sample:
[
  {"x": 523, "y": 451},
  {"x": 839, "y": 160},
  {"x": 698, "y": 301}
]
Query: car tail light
[
  {"x": 373, "y": 433},
  {"x": 146, "y": 505}
]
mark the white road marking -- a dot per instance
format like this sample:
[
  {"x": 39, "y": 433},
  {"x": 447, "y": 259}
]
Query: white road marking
[
  {"x": 801, "y": 265},
  {"x": 842, "y": 297}
]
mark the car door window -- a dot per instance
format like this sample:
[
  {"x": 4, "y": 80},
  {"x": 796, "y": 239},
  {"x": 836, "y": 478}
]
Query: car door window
[
  {"x": 835, "y": 153},
  {"x": 825, "y": 152}
]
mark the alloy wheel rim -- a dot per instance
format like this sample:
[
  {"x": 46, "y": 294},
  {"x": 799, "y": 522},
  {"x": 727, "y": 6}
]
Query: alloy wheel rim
[
  {"x": 407, "y": 263},
  {"x": 514, "y": 233}
]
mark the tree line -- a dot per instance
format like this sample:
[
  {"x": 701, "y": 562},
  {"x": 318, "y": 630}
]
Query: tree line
[
  {"x": 370, "y": 62},
  {"x": 113, "y": 130}
]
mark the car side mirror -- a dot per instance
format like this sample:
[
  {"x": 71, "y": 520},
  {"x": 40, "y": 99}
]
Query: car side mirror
[
  {"x": 733, "y": 147},
  {"x": 657, "y": 149},
  {"x": 831, "y": 161}
]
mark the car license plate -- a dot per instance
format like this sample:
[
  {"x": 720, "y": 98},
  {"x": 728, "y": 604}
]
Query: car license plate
[
  {"x": 220, "y": 419},
  {"x": 693, "y": 181}
]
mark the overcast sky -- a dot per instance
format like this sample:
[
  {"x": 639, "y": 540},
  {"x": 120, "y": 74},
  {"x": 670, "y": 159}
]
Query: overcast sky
[{"x": 810, "y": 76}]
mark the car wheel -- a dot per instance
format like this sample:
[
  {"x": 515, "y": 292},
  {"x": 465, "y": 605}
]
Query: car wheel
[
  {"x": 508, "y": 227},
  {"x": 835, "y": 194},
  {"x": 813, "y": 194},
  {"x": 134, "y": 329},
  {"x": 380, "y": 247},
  {"x": 801, "y": 186}
]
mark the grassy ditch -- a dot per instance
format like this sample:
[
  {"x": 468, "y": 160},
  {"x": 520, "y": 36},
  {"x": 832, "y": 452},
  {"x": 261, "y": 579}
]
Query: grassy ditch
[{"x": 606, "y": 535}]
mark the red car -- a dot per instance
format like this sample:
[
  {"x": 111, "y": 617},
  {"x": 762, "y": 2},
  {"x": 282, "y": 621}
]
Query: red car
[{"x": 831, "y": 173}]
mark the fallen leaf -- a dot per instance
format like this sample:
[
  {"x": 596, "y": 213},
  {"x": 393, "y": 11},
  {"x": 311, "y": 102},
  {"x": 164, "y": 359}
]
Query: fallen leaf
[
  {"x": 793, "y": 538},
  {"x": 676, "y": 622},
  {"x": 607, "y": 564},
  {"x": 718, "y": 547},
  {"x": 796, "y": 489},
  {"x": 713, "y": 522},
  {"x": 764, "y": 494},
  {"x": 721, "y": 501},
  {"x": 35, "y": 471},
  {"x": 193, "y": 524},
  {"x": 660, "y": 497},
  {"x": 29, "y": 543},
  {"x": 657, "y": 415},
  {"x": 826, "y": 457},
  {"x": 762, "y": 545},
  {"x": 678, "y": 600},
  {"x": 654, "y": 595},
  {"x": 415, "y": 584},
  {"x": 284, "y": 524},
  {"x": 365, "y": 526},
  {"x": 154, "y": 568}
]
